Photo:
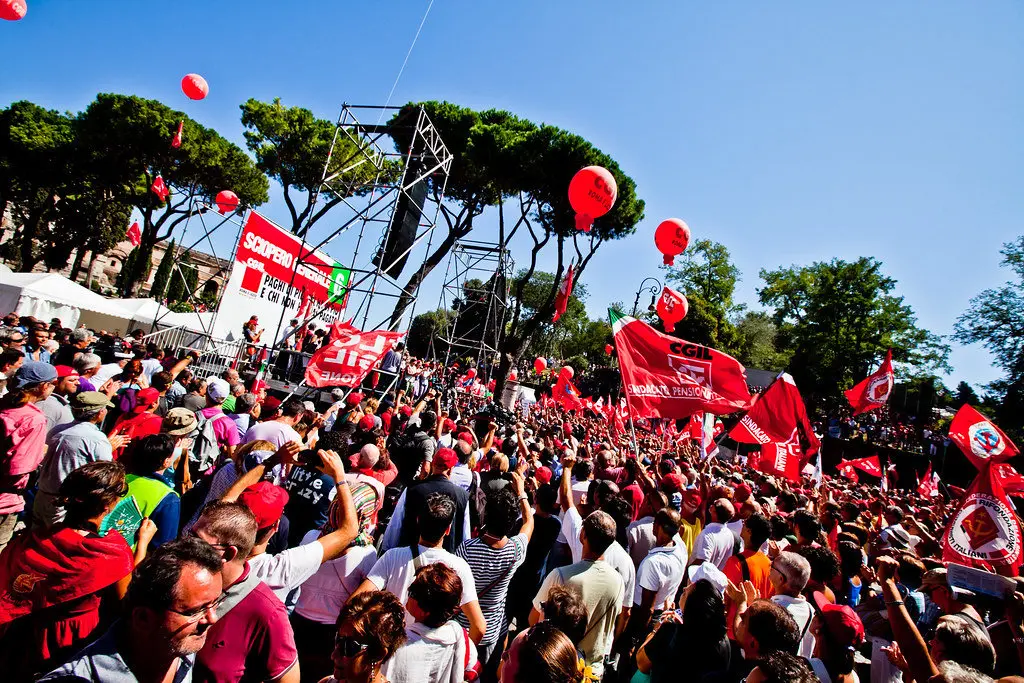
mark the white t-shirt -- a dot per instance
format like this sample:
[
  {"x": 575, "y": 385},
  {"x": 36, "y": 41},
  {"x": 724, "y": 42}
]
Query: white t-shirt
[
  {"x": 277, "y": 433},
  {"x": 431, "y": 654},
  {"x": 105, "y": 372},
  {"x": 802, "y": 612},
  {"x": 326, "y": 592},
  {"x": 288, "y": 570},
  {"x": 661, "y": 572},
  {"x": 714, "y": 544},
  {"x": 394, "y": 571},
  {"x": 615, "y": 555},
  {"x": 150, "y": 367}
]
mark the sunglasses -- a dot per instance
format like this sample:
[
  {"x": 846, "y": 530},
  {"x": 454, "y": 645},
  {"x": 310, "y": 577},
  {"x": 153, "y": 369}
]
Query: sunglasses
[
  {"x": 348, "y": 646},
  {"x": 776, "y": 569},
  {"x": 196, "y": 613}
]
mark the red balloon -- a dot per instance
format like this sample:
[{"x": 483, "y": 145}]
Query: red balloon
[
  {"x": 672, "y": 307},
  {"x": 227, "y": 201},
  {"x": 672, "y": 238},
  {"x": 194, "y": 86},
  {"x": 608, "y": 348},
  {"x": 592, "y": 193},
  {"x": 568, "y": 372},
  {"x": 13, "y": 10},
  {"x": 540, "y": 365},
  {"x": 471, "y": 373}
]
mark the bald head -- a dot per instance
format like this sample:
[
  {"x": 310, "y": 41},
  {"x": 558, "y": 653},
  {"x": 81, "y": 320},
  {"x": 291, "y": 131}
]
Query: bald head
[
  {"x": 369, "y": 455},
  {"x": 464, "y": 451},
  {"x": 722, "y": 510}
]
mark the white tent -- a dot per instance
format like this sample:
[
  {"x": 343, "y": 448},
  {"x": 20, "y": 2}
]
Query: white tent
[
  {"x": 48, "y": 295},
  {"x": 145, "y": 311}
]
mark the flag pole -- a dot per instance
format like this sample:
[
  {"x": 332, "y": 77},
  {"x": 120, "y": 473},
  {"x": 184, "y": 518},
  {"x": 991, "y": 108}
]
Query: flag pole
[{"x": 629, "y": 405}]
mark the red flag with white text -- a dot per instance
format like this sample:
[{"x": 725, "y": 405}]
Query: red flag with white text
[
  {"x": 159, "y": 188},
  {"x": 869, "y": 465},
  {"x": 775, "y": 415},
  {"x": 782, "y": 459},
  {"x": 984, "y": 532},
  {"x": 873, "y": 392},
  {"x": 1009, "y": 478},
  {"x": 979, "y": 438},
  {"x": 350, "y": 354},
  {"x": 929, "y": 486},
  {"x": 847, "y": 470},
  {"x": 563, "y": 294},
  {"x": 664, "y": 376},
  {"x": 566, "y": 393}
]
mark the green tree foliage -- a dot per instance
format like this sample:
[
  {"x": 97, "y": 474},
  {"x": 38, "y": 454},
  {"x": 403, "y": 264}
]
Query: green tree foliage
[
  {"x": 37, "y": 160},
  {"x": 291, "y": 145},
  {"x": 184, "y": 280},
  {"x": 91, "y": 220},
  {"x": 755, "y": 342},
  {"x": 127, "y": 139},
  {"x": 707, "y": 277},
  {"x": 163, "y": 273},
  {"x": 837, "y": 318},
  {"x": 965, "y": 395},
  {"x": 427, "y": 327},
  {"x": 554, "y": 339},
  {"x": 995, "y": 319}
]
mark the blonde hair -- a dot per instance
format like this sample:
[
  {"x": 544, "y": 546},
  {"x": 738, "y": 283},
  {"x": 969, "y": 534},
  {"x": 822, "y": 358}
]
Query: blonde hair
[
  {"x": 258, "y": 445},
  {"x": 499, "y": 462}
]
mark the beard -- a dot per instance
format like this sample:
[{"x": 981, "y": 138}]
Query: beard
[{"x": 192, "y": 643}]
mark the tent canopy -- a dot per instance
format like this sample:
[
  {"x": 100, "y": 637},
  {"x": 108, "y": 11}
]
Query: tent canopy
[{"x": 48, "y": 295}]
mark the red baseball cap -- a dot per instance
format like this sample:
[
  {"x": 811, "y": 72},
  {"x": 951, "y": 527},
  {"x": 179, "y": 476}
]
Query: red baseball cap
[
  {"x": 743, "y": 492},
  {"x": 841, "y": 621},
  {"x": 367, "y": 424},
  {"x": 544, "y": 474},
  {"x": 270, "y": 404},
  {"x": 266, "y": 502},
  {"x": 258, "y": 384},
  {"x": 145, "y": 399},
  {"x": 466, "y": 436},
  {"x": 672, "y": 483},
  {"x": 65, "y": 371},
  {"x": 446, "y": 457},
  {"x": 406, "y": 411},
  {"x": 353, "y": 399},
  {"x": 449, "y": 424}
]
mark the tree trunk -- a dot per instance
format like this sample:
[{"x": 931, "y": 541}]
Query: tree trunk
[
  {"x": 92, "y": 265},
  {"x": 77, "y": 265}
]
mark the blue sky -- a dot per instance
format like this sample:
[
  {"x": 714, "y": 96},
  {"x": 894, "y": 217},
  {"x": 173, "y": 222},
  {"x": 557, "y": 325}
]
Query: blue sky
[{"x": 789, "y": 131}]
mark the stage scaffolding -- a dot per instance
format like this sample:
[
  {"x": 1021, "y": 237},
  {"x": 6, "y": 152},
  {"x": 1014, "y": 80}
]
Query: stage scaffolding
[
  {"x": 371, "y": 170},
  {"x": 477, "y": 290}
]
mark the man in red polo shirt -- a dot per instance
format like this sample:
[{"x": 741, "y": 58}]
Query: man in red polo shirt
[
  {"x": 252, "y": 638},
  {"x": 142, "y": 421}
]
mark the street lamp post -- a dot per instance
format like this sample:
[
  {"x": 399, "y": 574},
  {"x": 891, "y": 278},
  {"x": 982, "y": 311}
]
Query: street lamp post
[{"x": 654, "y": 290}]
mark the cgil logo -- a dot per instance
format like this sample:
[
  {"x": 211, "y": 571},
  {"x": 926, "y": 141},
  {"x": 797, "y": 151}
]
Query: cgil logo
[{"x": 690, "y": 350}]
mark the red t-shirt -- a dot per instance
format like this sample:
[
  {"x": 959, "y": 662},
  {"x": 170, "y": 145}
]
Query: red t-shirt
[{"x": 252, "y": 642}]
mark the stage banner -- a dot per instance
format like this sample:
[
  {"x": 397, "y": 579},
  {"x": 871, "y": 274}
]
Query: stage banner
[{"x": 264, "y": 264}]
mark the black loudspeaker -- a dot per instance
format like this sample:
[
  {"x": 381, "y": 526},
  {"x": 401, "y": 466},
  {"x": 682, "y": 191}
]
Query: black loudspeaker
[{"x": 404, "y": 224}]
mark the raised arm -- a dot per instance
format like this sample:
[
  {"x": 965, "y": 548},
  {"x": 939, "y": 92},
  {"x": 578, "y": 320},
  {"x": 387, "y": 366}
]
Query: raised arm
[
  {"x": 338, "y": 540},
  {"x": 912, "y": 645},
  {"x": 285, "y": 454},
  {"x": 565, "y": 488},
  {"x": 524, "y": 503}
]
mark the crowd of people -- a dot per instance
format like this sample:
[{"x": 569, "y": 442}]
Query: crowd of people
[{"x": 159, "y": 525}]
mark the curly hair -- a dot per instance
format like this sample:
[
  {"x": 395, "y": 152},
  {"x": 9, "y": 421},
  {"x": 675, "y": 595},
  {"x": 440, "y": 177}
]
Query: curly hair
[
  {"x": 824, "y": 563},
  {"x": 501, "y": 512},
  {"x": 378, "y": 618}
]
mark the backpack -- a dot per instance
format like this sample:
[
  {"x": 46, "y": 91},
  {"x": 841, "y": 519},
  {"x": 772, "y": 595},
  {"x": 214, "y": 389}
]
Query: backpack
[{"x": 205, "y": 449}]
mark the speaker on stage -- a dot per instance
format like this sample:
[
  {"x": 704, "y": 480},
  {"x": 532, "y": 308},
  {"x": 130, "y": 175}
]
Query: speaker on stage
[{"x": 404, "y": 223}]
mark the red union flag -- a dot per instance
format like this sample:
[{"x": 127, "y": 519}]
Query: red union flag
[
  {"x": 159, "y": 188},
  {"x": 978, "y": 437},
  {"x": 874, "y": 391},
  {"x": 667, "y": 377},
  {"x": 563, "y": 294},
  {"x": 134, "y": 234},
  {"x": 984, "y": 532},
  {"x": 782, "y": 459},
  {"x": 868, "y": 465},
  {"x": 566, "y": 393},
  {"x": 848, "y": 471},
  {"x": 774, "y": 417},
  {"x": 349, "y": 356},
  {"x": 176, "y": 140},
  {"x": 929, "y": 486},
  {"x": 1009, "y": 478}
]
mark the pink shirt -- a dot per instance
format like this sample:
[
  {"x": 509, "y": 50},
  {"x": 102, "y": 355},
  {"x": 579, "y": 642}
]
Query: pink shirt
[
  {"x": 22, "y": 446},
  {"x": 223, "y": 427}
]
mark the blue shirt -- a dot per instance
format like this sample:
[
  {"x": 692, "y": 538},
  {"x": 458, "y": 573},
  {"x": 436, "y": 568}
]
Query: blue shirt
[
  {"x": 69, "y": 447},
  {"x": 102, "y": 663}
]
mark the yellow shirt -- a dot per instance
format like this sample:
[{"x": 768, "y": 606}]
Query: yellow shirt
[{"x": 689, "y": 532}]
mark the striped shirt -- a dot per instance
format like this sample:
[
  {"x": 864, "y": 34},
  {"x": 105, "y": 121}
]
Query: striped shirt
[{"x": 492, "y": 571}]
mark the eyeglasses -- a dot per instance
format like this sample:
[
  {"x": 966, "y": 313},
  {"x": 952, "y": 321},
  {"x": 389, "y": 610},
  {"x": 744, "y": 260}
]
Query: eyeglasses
[
  {"x": 17, "y": 342},
  {"x": 348, "y": 646},
  {"x": 196, "y": 613},
  {"x": 776, "y": 569}
]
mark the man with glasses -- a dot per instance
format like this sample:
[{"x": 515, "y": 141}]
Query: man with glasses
[
  {"x": 12, "y": 338},
  {"x": 252, "y": 637},
  {"x": 168, "y": 613},
  {"x": 789, "y": 574}
]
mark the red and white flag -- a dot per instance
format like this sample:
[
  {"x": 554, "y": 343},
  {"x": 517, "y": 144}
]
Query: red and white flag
[
  {"x": 979, "y": 438},
  {"x": 159, "y": 188},
  {"x": 849, "y": 471},
  {"x": 782, "y": 458},
  {"x": 176, "y": 140},
  {"x": 929, "y": 486},
  {"x": 984, "y": 532},
  {"x": 869, "y": 465},
  {"x": 775, "y": 415},
  {"x": 134, "y": 234},
  {"x": 667, "y": 377},
  {"x": 566, "y": 393},
  {"x": 349, "y": 356},
  {"x": 562, "y": 297},
  {"x": 874, "y": 391},
  {"x": 1009, "y": 478}
]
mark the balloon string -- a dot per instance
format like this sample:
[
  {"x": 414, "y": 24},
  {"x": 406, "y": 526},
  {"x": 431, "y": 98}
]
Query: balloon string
[{"x": 406, "y": 61}]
